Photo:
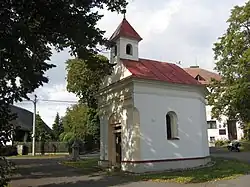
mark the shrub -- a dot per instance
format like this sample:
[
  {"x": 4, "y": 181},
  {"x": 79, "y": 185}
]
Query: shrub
[
  {"x": 220, "y": 143},
  {"x": 8, "y": 150}
]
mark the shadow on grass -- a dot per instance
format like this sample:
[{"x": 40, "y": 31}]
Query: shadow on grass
[{"x": 223, "y": 169}]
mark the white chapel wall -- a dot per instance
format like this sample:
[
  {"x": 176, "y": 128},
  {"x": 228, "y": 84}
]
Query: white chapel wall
[{"x": 154, "y": 103}]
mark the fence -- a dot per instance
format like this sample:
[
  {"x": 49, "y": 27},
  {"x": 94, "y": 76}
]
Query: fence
[{"x": 49, "y": 147}]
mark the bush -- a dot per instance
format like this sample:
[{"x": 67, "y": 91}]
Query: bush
[
  {"x": 220, "y": 143},
  {"x": 8, "y": 150}
]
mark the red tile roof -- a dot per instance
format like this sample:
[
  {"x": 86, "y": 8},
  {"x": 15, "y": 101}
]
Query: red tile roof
[
  {"x": 205, "y": 74},
  {"x": 125, "y": 30},
  {"x": 161, "y": 71}
]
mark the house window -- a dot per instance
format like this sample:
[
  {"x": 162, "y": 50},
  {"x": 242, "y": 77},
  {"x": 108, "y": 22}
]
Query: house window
[
  {"x": 129, "y": 49},
  {"x": 212, "y": 139},
  {"x": 211, "y": 124},
  {"x": 222, "y": 132},
  {"x": 172, "y": 126}
]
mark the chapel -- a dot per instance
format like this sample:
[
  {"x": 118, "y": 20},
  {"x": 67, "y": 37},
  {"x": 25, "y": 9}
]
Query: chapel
[{"x": 152, "y": 113}]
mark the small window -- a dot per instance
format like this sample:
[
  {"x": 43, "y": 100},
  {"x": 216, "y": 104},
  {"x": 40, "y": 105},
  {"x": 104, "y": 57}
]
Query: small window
[
  {"x": 222, "y": 132},
  {"x": 220, "y": 126},
  {"x": 212, "y": 139},
  {"x": 211, "y": 124},
  {"x": 129, "y": 49},
  {"x": 172, "y": 126}
]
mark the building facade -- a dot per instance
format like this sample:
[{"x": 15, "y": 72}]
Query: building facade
[{"x": 152, "y": 114}]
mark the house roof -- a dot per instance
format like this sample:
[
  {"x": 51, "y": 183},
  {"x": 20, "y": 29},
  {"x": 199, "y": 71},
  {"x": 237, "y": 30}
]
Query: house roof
[
  {"x": 161, "y": 71},
  {"x": 24, "y": 119},
  {"x": 125, "y": 30},
  {"x": 205, "y": 76}
]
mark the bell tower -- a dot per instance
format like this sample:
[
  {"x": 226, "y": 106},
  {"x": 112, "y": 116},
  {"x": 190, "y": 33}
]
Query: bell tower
[{"x": 125, "y": 41}]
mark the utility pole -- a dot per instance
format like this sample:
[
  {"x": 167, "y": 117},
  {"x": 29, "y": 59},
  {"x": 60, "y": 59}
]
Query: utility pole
[{"x": 34, "y": 127}]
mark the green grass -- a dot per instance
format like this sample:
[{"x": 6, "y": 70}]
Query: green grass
[
  {"x": 37, "y": 156},
  {"x": 86, "y": 166},
  {"x": 222, "y": 170},
  {"x": 245, "y": 146}
]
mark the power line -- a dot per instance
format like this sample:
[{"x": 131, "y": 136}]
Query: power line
[
  {"x": 58, "y": 101},
  {"x": 55, "y": 101}
]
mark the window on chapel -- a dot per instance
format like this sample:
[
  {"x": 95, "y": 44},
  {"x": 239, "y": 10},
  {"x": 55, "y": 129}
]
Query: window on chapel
[
  {"x": 172, "y": 125},
  {"x": 129, "y": 49}
]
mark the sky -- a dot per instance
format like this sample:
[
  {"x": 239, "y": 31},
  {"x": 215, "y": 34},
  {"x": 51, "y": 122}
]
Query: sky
[{"x": 172, "y": 31}]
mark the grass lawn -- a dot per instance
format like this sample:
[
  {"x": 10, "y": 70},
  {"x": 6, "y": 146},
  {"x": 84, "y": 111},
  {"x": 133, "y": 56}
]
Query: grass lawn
[
  {"x": 222, "y": 170},
  {"x": 37, "y": 156}
]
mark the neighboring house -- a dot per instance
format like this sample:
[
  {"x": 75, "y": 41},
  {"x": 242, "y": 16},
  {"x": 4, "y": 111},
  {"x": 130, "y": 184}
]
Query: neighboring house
[
  {"x": 217, "y": 130},
  {"x": 23, "y": 124},
  {"x": 152, "y": 114}
]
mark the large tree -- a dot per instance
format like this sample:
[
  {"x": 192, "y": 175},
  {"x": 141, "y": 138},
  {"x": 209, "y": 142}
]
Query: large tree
[
  {"x": 231, "y": 95},
  {"x": 84, "y": 77},
  {"x": 80, "y": 124},
  {"x": 57, "y": 127},
  {"x": 29, "y": 30}
]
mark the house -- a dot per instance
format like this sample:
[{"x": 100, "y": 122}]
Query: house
[
  {"x": 23, "y": 125},
  {"x": 217, "y": 130},
  {"x": 152, "y": 114}
]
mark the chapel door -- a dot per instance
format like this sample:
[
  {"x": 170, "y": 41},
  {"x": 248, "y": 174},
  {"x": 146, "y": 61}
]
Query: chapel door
[{"x": 118, "y": 147}]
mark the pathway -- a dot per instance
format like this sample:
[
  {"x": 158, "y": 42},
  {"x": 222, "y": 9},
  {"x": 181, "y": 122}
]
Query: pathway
[{"x": 48, "y": 173}]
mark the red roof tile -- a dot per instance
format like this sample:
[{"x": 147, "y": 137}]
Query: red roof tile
[
  {"x": 125, "y": 30},
  {"x": 205, "y": 74},
  {"x": 161, "y": 71}
]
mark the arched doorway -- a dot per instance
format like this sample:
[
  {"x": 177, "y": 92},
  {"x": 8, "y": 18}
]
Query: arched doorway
[{"x": 115, "y": 143}]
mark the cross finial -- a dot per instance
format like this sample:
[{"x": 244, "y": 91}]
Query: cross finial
[{"x": 124, "y": 13}]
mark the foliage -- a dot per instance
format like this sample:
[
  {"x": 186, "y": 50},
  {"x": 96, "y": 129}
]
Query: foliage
[
  {"x": 29, "y": 30},
  {"x": 78, "y": 123},
  {"x": 42, "y": 133},
  {"x": 8, "y": 150},
  {"x": 220, "y": 143},
  {"x": 57, "y": 127},
  {"x": 84, "y": 80},
  {"x": 231, "y": 95},
  {"x": 6, "y": 168}
]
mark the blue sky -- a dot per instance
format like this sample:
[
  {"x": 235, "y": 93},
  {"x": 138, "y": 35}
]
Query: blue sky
[{"x": 172, "y": 31}]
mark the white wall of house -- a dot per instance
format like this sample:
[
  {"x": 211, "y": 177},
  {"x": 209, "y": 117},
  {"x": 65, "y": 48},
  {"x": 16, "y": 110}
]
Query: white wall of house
[
  {"x": 154, "y": 101},
  {"x": 213, "y": 134}
]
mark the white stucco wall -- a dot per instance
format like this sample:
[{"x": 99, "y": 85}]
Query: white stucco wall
[
  {"x": 154, "y": 102},
  {"x": 222, "y": 124}
]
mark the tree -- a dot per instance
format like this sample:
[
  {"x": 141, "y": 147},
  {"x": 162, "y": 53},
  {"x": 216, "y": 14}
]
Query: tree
[
  {"x": 231, "y": 95},
  {"x": 79, "y": 124},
  {"x": 57, "y": 127},
  {"x": 84, "y": 80},
  {"x": 29, "y": 30},
  {"x": 42, "y": 132}
]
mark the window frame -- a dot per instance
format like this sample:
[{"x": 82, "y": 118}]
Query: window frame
[
  {"x": 171, "y": 118},
  {"x": 129, "y": 48}
]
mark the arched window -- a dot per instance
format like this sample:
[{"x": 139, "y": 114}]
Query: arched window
[
  {"x": 129, "y": 49},
  {"x": 172, "y": 126}
]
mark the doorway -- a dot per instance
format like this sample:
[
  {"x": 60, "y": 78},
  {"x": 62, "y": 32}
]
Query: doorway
[
  {"x": 232, "y": 130},
  {"x": 118, "y": 148},
  {"x": 115, "y": 141}
]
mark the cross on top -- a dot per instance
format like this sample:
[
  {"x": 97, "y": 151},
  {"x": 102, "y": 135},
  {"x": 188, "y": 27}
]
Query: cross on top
[{"x": 124, "y": 13}]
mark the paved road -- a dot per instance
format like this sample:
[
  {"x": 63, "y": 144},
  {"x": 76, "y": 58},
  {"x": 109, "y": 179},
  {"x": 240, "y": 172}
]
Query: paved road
[{"x": 48, "y": 173}]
